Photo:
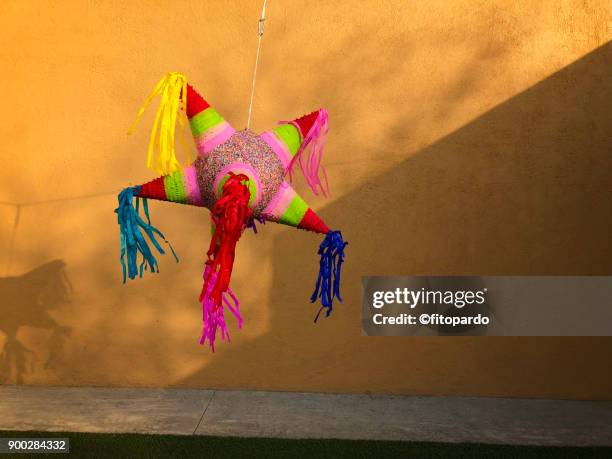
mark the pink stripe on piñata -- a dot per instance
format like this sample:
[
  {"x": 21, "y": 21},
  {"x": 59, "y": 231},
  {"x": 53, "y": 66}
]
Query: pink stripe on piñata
[
  {"x": 214, "y": 137},
  {"x": 240, "y": 168},
  {"x": 279, "y": 203},
  {"x": 278, "y": 147},
  {"x": 215, "y": 319},
  {"x": 192, "y": 189}
]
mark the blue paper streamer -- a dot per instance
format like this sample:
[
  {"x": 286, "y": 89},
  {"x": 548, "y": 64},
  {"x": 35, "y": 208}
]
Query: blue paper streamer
[{"x": 327, "y": 287}]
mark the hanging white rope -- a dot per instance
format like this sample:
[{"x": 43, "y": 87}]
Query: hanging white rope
[{"x": 260, "y": 30}]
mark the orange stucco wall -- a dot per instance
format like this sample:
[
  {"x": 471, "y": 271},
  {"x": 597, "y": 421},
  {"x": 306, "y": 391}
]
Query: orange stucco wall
[{"x": 467, "y": 137}]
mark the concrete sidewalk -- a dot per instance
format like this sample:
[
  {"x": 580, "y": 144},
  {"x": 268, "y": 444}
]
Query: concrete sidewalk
[{"x": 307, "y": 415}]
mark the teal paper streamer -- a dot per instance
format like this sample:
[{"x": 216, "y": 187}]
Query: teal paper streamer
[{"x": 131, "y": 227}]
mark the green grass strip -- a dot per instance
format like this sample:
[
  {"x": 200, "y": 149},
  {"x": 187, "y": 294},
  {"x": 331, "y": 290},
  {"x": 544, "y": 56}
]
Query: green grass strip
[{"x": 95, "y": 445}]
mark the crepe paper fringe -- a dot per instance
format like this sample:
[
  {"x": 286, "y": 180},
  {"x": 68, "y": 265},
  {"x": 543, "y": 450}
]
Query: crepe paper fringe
[
  {"x": 213, "y": 317},
  {"x": 251, "y": 223},
  {"x": 310, "y": 154},
  {"x": 172, "y": 89},
  {"x": 230, "y": 215},
  {"x": 327, "y": 287},
  {"x": 131, "y": 228}
]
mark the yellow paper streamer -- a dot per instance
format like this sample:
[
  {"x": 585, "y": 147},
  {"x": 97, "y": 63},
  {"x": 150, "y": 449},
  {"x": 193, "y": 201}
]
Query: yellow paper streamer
[{"x": 161, "y": 153}]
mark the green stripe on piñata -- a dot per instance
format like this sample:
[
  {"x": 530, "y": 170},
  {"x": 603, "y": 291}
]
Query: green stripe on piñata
[
  {"x": 291, "y": 137},
  {"x": 205, "y": 120},
  {"x": 175, "y": 189},
  {"x": 295, "y": 212}
]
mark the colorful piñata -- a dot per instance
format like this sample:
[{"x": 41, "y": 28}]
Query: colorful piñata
[{"x": 241, "y": 177}]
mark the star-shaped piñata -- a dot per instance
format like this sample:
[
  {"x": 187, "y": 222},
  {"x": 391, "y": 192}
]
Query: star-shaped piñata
[{"x": 241, "y": 177}]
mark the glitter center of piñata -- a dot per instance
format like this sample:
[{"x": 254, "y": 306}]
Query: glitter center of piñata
[{"x": 243, "y": 153}]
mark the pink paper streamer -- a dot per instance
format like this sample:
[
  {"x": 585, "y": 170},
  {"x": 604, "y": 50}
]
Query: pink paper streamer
[
  {"x": 215, "y": 319},
  {"x": 310, "y": 154}
]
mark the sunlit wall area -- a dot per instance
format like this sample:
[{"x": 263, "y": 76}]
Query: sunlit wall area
[{"x": 465, "y": 138}]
